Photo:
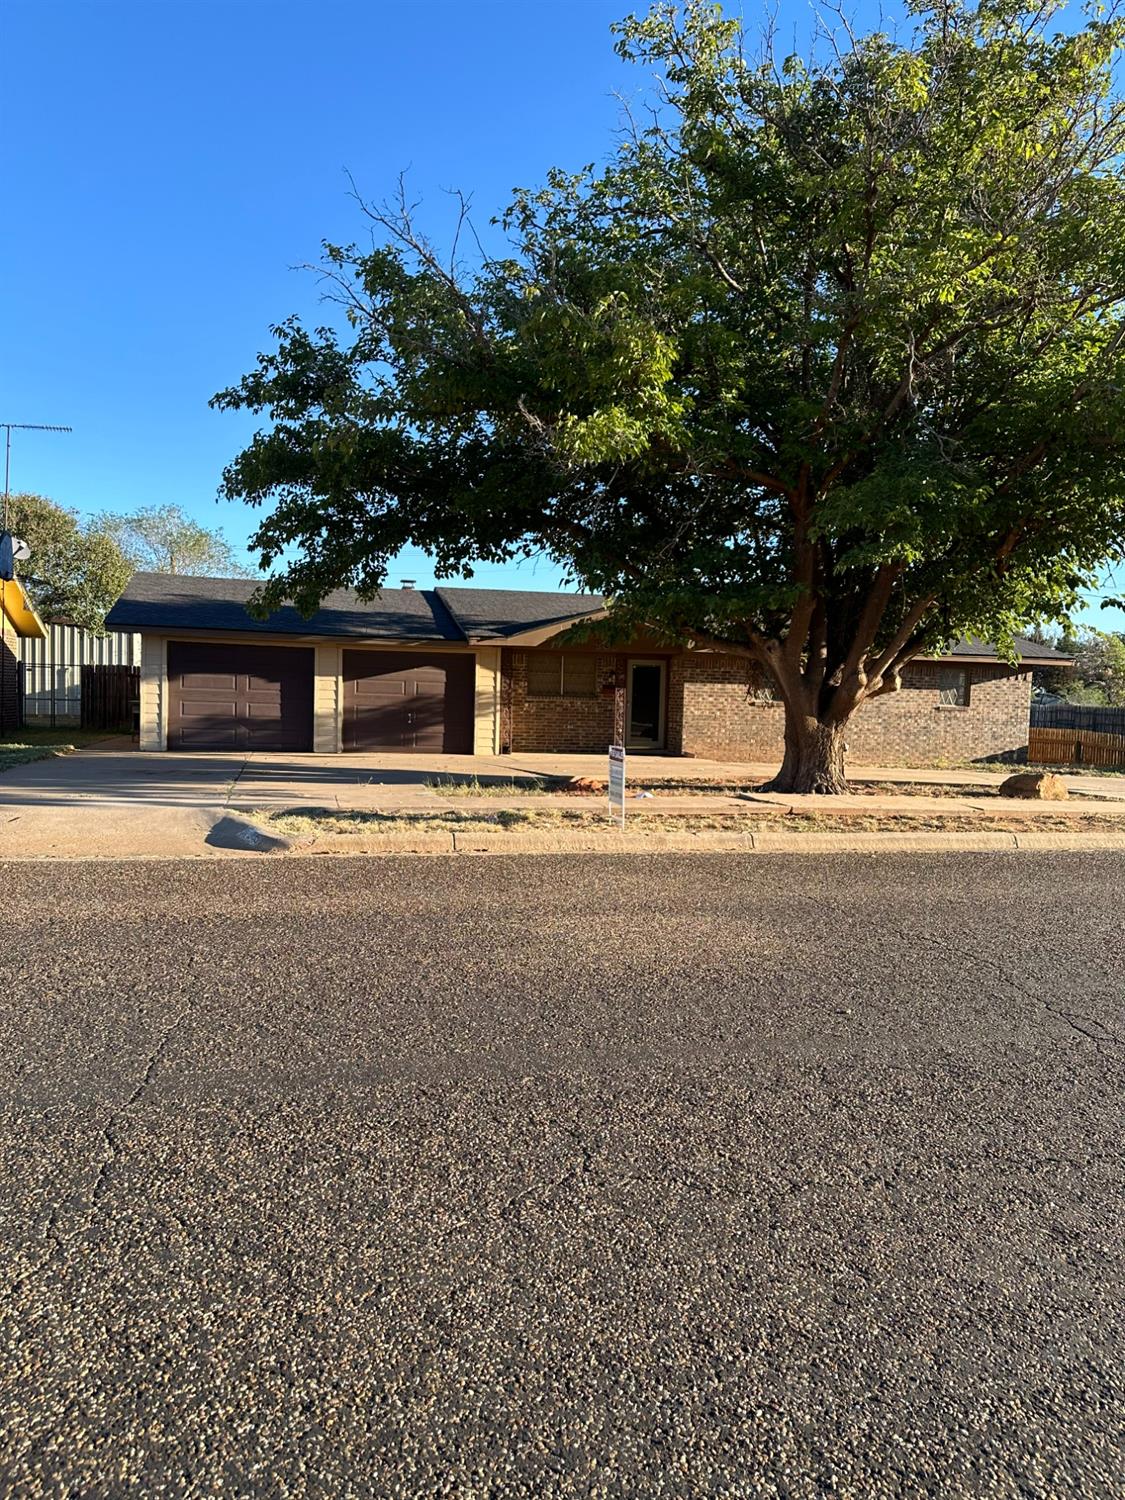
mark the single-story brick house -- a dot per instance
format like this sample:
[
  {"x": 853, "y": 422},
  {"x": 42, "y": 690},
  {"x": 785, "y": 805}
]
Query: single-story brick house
[{"x": 487, "y": 671}]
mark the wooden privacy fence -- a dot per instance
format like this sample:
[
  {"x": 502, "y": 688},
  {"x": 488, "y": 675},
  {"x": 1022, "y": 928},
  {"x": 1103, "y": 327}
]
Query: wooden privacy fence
[
  {"x": 1072, "y": 735},
  {"x": 1076, "y": 747},
  {"x": 52, "y": 671},
  {"x": 109, "y": 697}
]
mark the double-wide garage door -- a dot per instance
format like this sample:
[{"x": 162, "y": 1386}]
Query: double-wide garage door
[
  {"x": 253, "y": 697},
  {"x": 239, "y": 697},
  {"x": 408, "y": 701}
]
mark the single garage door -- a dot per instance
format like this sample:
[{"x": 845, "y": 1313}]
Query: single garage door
[
  {"x": 400, "y": 700},
  {"x": 239, "y": 697}
]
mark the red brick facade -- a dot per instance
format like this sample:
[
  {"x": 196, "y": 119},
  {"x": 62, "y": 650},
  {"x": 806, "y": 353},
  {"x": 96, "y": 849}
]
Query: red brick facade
[
  {"x": 567, "y": 725},
  {"x": 716, "y": 707},
  {"x": 10, "y": 706},
  {"x": 716, "y": 710}
]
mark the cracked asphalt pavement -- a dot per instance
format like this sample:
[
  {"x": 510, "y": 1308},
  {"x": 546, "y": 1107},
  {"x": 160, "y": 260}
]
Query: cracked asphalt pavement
[{"x": 716, "y": 1176}]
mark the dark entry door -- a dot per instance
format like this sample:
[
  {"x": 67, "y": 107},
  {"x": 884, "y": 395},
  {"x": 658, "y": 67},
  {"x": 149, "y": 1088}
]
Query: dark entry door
[
  {"x": 645, "y": 711},
  {"x": 398, "y": 700},
  {"x": 239, "y": 697}
]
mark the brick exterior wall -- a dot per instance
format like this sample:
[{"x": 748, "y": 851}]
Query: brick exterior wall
[
  {"x": 907, "y": 727},
  {"x": 570, "y": 726},
  {"x": 709, "y": 715},
  {"x": 9, "y": 679},
  {"x": 712, "y": 713}
]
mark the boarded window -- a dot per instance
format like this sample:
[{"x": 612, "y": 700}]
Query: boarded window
[
  {"x": 580, "y": 677},
  {"x": 544, "y": 675},
  {"x": 953, "y": 687},
  {"x": 551, "y": 674}
]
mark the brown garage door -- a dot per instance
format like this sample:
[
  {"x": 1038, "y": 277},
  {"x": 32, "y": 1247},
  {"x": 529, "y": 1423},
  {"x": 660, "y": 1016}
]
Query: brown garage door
[
  {"x": 399, "y": 700},
  {"x": 239, "y": 697}
]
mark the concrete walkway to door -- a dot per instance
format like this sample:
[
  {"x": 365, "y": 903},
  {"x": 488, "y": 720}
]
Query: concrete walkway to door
[{"x": 114, "y": 801}]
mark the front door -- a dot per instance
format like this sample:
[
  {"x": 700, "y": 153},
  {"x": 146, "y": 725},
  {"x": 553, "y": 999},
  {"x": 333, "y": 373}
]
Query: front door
[{"x": 644, "y": 707}]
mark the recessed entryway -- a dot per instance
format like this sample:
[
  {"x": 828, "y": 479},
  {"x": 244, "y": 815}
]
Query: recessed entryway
[{"x": 644, "y": 705}]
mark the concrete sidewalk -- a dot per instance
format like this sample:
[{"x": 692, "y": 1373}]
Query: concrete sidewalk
[{"x": 114, "y": 801}]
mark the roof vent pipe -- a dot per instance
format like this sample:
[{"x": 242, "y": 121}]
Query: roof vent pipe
[{"x": 408, "y": 583}]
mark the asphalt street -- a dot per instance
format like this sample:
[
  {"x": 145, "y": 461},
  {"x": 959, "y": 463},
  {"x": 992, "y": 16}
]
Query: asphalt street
[{"x": 716, "y": 1176}]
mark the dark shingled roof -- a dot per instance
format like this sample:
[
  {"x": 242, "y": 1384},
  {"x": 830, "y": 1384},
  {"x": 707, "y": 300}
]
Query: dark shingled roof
[
  {"x": 1028, "y": 650},
  {"x": 494, "y": 614},
  {"x": 168, "y": 601}
]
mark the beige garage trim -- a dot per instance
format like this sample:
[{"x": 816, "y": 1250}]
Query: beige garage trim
[
  {"x": 328, "y": 700},
  {"x": 154, "y": 676},
  {"x": 486, "y": 736}
]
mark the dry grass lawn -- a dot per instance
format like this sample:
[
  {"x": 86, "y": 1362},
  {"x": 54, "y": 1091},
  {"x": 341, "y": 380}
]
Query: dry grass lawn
[{"x": 309, "y": 823}]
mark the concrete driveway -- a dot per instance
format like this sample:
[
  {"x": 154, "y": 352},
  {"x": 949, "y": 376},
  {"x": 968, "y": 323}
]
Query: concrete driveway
[
  {"x": 118, "y": 801},
  {"x": 115, "y": 801}
]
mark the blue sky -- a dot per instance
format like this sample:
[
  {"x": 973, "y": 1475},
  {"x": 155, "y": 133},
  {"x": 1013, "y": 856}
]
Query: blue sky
[{"x": 165, "y": 166}]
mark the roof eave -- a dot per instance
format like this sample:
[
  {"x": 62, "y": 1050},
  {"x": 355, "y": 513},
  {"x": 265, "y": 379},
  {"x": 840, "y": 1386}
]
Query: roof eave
[
  {"x": 21, "y": 612},
  {"x": 162, "y": 627},
  {"x": 981, "y": 660},
  {"x": 537, "y": 635}
]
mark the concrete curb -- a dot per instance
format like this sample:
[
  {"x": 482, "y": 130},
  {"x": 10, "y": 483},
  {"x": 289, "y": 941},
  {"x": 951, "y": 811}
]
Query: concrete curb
[
  {"x": 613, "y": 841},
  {"x": 221, "y": 835},
  {"x": 518, "y": 845}
]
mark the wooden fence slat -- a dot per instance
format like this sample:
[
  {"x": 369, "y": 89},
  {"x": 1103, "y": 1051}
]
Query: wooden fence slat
[
  {"x": 1067, "y": 747},
  {"x": 108, "y": 696}
]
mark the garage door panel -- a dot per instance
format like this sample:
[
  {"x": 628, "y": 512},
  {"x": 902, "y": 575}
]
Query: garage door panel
[
  {"x": 239, "y": 697},
  {"x": 210, "y": 709},
  {"x": 376, "y": 692},
  {"x": 428, "y": 720},
  {"x": 208, "y": 682},
  {"x": 213, "y": 738},
  {"x": 408, "y": 701},
  {"x": 377, "y": 728}
]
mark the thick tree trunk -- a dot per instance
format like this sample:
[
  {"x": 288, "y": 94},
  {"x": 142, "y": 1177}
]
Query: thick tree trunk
[{"x": 814, "y": 756}]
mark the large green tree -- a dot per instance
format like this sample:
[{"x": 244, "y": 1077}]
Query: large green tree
[
  {"x": 826, "y": 367},
  {"x": 164, "y": 539},
  {"x": 75, "y": 571},
  {"x": 1099, "y": 668}
]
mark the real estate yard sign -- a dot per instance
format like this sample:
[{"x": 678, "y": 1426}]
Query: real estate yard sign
[{"x": 617, "y": 782}]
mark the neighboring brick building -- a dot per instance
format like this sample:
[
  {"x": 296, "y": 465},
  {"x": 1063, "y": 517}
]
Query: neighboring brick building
[{"x": 481, "y": 671}]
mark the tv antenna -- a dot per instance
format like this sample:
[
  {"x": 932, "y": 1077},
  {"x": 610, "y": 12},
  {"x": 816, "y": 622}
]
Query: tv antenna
[{"x": 9, "y": 428}]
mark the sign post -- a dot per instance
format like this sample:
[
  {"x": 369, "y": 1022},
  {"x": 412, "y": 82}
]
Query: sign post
[{"x": 617, "y": 782}]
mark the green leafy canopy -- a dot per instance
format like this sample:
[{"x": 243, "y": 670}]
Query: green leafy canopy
[
  {"x": 826, "y": 365},
  {"x": 75, "y": 570}
]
